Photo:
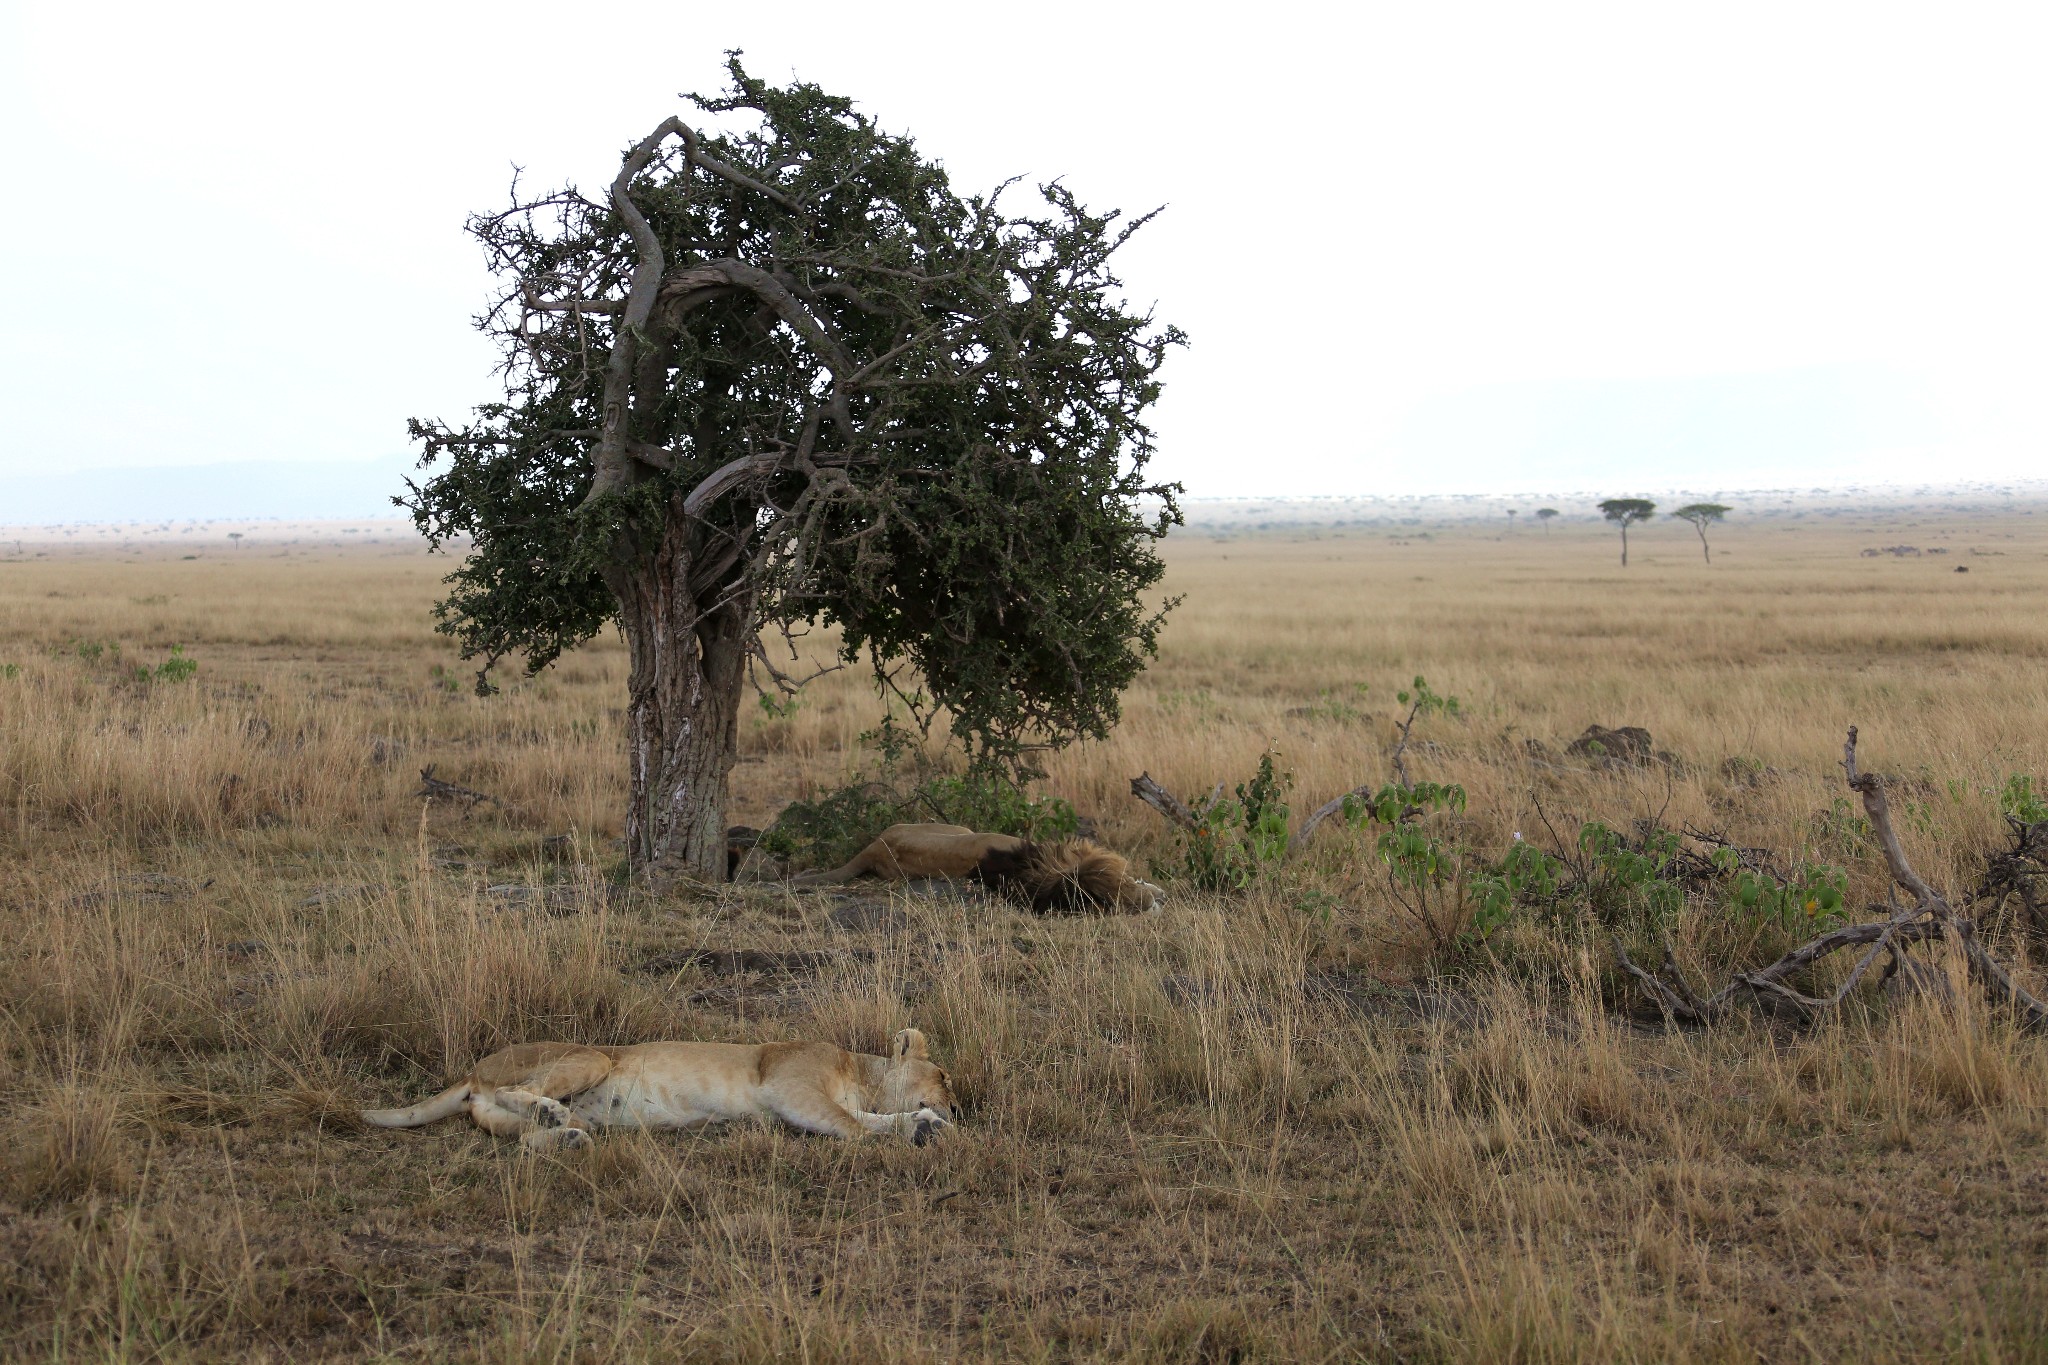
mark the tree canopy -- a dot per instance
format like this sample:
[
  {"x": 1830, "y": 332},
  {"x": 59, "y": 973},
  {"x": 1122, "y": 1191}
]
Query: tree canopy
[
  {"x": 1702, "y": 515},
  {"x": 849, "y": 394},
  {"x": 1626, "y": 512}
]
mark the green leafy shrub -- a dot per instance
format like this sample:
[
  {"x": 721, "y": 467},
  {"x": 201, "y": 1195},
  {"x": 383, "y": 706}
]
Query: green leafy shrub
[
  {"x": 1628, "y": 882},
  {"x": 1234, "y": 838},
  {"x": 1638, "y": 884},
  {"x": 992, "y": 803},
  {"x": 1425, "y": 701},
  {"x": 829, "y": 829},
  {"x": 1525, "y": 876},
  {"x": 1813, "y": 897},
  {"x": 176, "y": 668},
  {"x": 2018, "y": 801}
]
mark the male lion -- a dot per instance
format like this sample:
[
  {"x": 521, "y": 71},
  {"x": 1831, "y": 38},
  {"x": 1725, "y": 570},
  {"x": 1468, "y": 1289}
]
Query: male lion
[
  {"x": 552, "y": 1094},
  {"x": 1068, "y": 875}
]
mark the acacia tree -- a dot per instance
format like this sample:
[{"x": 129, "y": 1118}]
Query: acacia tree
[
  {"x": 1626, "y": 512},
  {"x": 1700, "y": 514},
  {"x": 784, "y": 375},
  {"x": 1544, "y": 515}
]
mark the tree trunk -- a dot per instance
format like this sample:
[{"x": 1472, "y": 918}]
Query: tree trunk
[
  {"x": 1705, "y": 553},
  {"x": 682, "y": 711},
  {"x": 1624, "y": 545}
]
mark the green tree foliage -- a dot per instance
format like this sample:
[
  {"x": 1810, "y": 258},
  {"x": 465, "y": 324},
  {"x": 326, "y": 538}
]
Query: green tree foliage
[
  {"x": 1546, "y": 515},
  {"x": 1702, "y": 515},
  {"x": 781, "y": 375},
  {"x": 1626, "y": 512}
]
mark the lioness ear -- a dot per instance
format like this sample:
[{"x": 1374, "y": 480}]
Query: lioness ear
[{"x": 909, "y": 1043}]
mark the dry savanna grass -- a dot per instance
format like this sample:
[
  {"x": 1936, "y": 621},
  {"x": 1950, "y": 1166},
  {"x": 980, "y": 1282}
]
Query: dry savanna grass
[{"x": 1262, "y": 1126}]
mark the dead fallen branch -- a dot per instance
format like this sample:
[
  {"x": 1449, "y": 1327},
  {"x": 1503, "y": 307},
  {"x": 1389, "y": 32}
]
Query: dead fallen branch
[
  {"x": 2020, "y": 873},
  {"x": 1929, "y": 918},
  {"x": 433, "y": 788},
  {"x": 1160, "y": 799}
]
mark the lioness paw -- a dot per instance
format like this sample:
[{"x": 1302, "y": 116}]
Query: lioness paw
[
  {"x": 542, "y": 1139},
  {"x": 928, "y": 1126}
]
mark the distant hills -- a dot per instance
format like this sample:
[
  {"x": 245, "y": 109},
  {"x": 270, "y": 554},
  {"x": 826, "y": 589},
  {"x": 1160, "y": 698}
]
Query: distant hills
[
  {"x": 243, "y": 490},
  {"x": 255, "y": 490}
]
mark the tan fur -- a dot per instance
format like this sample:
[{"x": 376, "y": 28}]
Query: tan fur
[
  {"x": 1072, "y": 874},
  {"x": 550, "y": 1095}
]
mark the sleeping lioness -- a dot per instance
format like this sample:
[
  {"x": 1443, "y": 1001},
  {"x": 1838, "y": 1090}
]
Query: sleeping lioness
[
  {"x": 552, "y": 1094},
  {"x": 1064, "y": 875}
]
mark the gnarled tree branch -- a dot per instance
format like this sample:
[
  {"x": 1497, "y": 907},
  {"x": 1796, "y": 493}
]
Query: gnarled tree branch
[{"x": 612, "y": 471}]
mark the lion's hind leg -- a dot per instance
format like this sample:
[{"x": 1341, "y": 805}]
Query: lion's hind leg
[
  {"x": 519, "y": 1093},
  {"x": 877, "y": 857},
  {"x": 543, "y": 1125}
]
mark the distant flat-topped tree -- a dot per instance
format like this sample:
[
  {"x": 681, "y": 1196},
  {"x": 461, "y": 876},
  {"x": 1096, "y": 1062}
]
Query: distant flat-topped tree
[
  {"x": 1626, "y": 512},
  {"x": 1545, "y": 515},
  {"x": 1701, "y": 515},
  {"x": 786, "y": 375}
]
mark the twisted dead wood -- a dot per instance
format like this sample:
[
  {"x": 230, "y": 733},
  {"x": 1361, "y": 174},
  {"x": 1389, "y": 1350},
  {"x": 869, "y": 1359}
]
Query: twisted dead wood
[{"x": 1929, "y": 917}]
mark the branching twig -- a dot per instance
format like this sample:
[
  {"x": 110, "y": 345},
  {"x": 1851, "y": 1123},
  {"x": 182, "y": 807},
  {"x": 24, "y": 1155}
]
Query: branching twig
[
  {"x": 1399, "y": 758},
  {"x": 1324, "y": 812}
]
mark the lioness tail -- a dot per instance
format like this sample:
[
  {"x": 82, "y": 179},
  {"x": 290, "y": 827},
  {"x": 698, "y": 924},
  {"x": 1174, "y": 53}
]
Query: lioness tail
[{"x": 444, "y": 1105}]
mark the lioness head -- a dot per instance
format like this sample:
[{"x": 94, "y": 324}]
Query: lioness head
[{"x": 913, "y": 1081}]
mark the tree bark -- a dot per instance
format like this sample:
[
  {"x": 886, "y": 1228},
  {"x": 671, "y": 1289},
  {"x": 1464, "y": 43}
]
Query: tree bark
[
  {"x": 1624, "y": 545},
  {"x": 682, "y": 710}
]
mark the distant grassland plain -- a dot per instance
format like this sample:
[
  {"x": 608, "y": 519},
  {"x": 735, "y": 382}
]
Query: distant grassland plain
[{"x": 1270, "y": 1124}]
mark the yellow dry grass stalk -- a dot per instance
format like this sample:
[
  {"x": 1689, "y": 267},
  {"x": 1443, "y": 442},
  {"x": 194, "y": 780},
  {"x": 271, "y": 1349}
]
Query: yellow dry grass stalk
[{"x": 1241, "y": 1130}]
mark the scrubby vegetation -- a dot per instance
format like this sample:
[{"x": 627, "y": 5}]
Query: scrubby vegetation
[{"x": 1380, "y": 1092}]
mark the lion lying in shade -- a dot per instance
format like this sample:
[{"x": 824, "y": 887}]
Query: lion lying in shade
[
  {"x": 1067, "y": 875},
  {"x": 550, "y": 1095}
]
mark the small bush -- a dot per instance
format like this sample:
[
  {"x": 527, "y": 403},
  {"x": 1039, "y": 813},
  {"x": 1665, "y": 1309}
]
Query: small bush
[
  {"x": 75, "y": 1145},
  {"x": 176, "y": 668},
  {"x": 1234, "y": 839},
  {"x": 2018, "y": 801},
  {"x": 832, "y": 828}
]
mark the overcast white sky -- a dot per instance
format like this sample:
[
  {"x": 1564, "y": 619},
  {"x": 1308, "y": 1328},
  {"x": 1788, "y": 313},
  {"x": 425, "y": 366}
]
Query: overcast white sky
[{"x": 1418, "y": 247}]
